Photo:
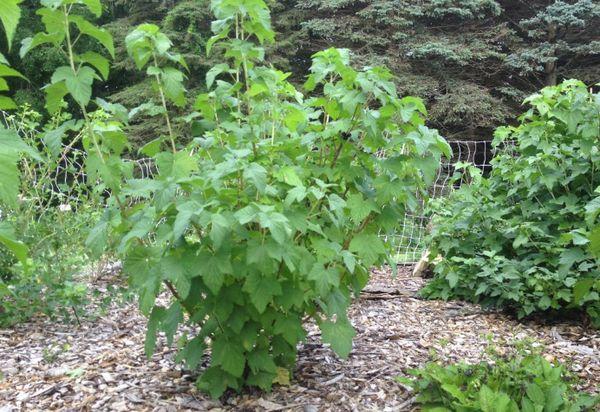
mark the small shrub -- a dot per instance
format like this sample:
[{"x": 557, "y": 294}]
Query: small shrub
[
  {"x": 272, "y": 214},
  {"x": 522, "y": 380},
  {"x": 519, "y": 238}
]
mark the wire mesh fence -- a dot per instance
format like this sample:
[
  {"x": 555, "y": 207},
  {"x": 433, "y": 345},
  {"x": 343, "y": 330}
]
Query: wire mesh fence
[
  {"x": 64, "y": 179},
  {"x": 409, "y": 243}
]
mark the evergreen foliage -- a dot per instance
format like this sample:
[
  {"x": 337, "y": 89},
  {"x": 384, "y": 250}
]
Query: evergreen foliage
[
  {"x": 560, "y": 33},
  {"x": 490, "y": 54}
]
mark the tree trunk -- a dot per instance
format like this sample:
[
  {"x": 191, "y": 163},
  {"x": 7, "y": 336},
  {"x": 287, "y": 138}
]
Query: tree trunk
[
  {"x": 550, "y": 70},
  {"x": 550, "y": 67}
]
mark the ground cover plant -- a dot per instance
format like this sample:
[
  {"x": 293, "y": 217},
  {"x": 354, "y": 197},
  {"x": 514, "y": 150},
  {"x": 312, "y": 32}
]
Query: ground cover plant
[
  {"x": 521, "y": 379},
  {"x": 519, "y": 239},
  {"x": 272, "y": 214}
]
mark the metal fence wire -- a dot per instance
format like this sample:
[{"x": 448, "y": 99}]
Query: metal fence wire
[
  {"x": 409, "y": 242},
  {"x": 65, "y": 179}
]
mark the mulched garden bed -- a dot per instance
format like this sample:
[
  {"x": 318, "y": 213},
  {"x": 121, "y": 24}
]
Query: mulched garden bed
[{"x": 100, "y": 364}]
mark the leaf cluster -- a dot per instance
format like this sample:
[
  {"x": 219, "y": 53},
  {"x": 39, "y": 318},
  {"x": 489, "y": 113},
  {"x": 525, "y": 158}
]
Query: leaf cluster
[
  {"x": 12, "y": 147},
  {"x": 9, "y": 19},
  {"x": 523, "y": 381},
  {"x": 65, "y": 25}
]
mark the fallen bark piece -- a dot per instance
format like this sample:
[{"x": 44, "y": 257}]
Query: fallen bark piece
[{"x": 425, "y": 265}]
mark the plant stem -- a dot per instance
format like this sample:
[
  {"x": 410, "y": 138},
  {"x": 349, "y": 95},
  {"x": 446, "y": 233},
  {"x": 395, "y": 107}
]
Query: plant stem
[
  {"x": 164, "y": 105},
  {"x": 86, "y": 116},
  {"x": 364, "y": 224}
]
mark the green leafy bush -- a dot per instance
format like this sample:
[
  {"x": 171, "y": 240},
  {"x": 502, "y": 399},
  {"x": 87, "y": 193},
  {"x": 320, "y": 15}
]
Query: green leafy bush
[
  {"x": 272, "y": 215},
  {"x": 41, "y": 247},
  {"x": 519, "y": 381},
  {"x": 519, "y": 238},
  {"x": 12, "y": 147},
  {"x": 49, "y": 219}
]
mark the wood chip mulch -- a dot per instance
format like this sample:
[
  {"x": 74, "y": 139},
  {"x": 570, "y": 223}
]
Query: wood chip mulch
[{"x": 100, "y": 364}]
